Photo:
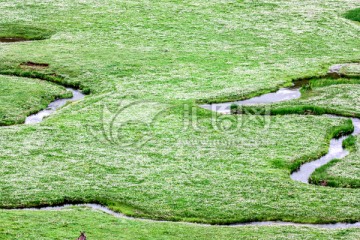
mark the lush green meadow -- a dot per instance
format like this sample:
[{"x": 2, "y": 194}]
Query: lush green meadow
[
  {"x": 195, "y": 49},
  {"x": 178, "y": 174},
  {"x": 140, "y": 145}
]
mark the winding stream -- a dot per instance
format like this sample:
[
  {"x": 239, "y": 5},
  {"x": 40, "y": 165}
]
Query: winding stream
[
  {"x": 336, "y": 151},
  {"x": 283, "y": 94},
  {"x": 38, "y": 117},
  {"x": 97, "y": 207}
]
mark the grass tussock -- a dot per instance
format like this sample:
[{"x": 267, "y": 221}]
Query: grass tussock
[
  {"x": 353, "y": 14},
  {"x": 350, "y": 143}
]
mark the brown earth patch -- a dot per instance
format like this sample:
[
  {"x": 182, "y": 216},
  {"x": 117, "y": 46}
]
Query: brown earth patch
[
  {"x": 12, "y": 39},
  {"x": 34, "y": 65}
]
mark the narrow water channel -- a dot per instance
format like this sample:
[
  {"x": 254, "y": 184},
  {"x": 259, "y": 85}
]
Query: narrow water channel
[
  {"x": 283, "y": 94},
  {"x": 38, "y": 117}
]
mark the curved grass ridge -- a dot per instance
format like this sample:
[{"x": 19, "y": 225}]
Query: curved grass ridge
[
  {"x": 125, "y": 211},
  {"x": 58, "y": 79},
  {"x": 24, "y": 32},
  {"x": 353, "y": 15},
  {"x": 321, "y": 177},
  {"x": 287, "y": 110},
  {"x": 50, "y": 77},
  {"x": 116, "y": 214}
]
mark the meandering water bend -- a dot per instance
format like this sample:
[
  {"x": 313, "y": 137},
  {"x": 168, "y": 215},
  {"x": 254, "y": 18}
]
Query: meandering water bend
[
  {"x": 336, "y": 151},
  {"x": 283, "y": 94}
]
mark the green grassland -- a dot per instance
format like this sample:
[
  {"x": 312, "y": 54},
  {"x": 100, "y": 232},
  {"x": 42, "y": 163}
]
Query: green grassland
[
  {"x": 20, "y": 97},
  {"x": 132, "y": 145}
]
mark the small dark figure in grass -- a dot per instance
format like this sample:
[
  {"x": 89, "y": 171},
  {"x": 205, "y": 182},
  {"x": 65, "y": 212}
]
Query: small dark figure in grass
[
  {"x": 324, "y": 183},
  {"x": 82, "y": 236}
]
